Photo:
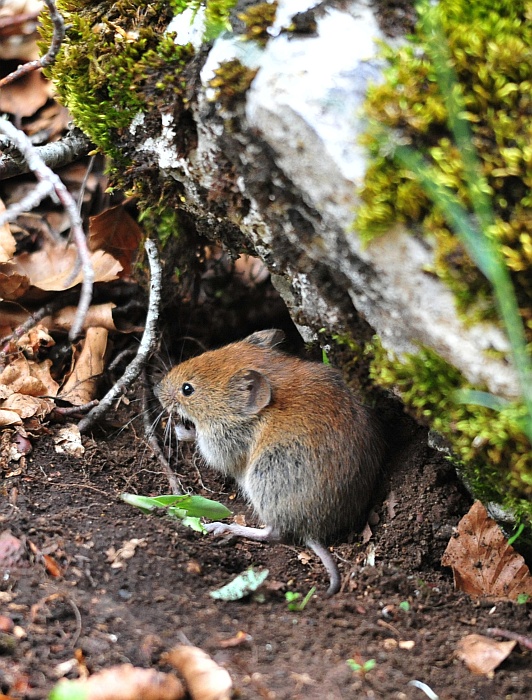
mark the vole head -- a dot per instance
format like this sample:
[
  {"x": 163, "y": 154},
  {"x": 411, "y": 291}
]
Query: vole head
[{"x": 224, "y": 387}]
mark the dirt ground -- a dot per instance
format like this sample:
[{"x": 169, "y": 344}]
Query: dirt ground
[
  {"x": 103, "y": 615},
  {"x": 402, "y": 612}
]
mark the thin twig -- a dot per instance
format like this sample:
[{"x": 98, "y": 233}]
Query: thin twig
[
  {"x": 84, "y": 183},
  {"x": 151, "y": 438},
  {"x": 54, "y": 155},
  {"x": 31, "y": 200},
  {"x": 525, "y": 642},
  {"x": 43, "y": 172},
  {"x": 61, "y": 413},
  {"x": 126, "y": 352},
  {"x": 147, "y": 344},
  {"x": 50, "y": 56}
]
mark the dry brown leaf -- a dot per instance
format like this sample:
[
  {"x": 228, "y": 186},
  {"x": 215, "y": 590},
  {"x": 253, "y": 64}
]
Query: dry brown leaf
[
  {"x": 481, "y": 654},
  {"x": 7, "y": 242},
  {"x": 34, "y": 340},
  {"x": 26, "y": 95},
  {"x": 483, "y": 562},
  {"x": 116, "y": 232},
  {"x": 9, "y": 418},
  {"x": 12, "y": 284},
  {"x": 28, "y": 406},
  {"x": 51, "y": 121},
  {"x": 80, "y": 387},
  {"x": 24, "y": 376},
  {"x": 50, "y": 268},
  {"x": 98, "y": 315},
  {"x": 205, "y": 679},
  {"x": 126, "y": 682},
  {"x": 67, "y": 440}
]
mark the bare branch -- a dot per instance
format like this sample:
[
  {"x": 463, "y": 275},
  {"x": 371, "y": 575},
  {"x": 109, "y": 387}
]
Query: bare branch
[
  {"x": 147, "y": 344},
  {"x": 50, "y": 56},
  {"x": 54, "y": 155},
  {"x": 30, "y": 201},
  {"x": 43, "y": 172},
  {"x": 57, "y": 37}
]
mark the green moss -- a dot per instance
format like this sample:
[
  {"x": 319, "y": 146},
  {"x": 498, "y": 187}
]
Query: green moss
[
  {"x": 232, "y": 80},
  {"x": 116, "y": 60},
  {"x": 160, "y": 221},
  {"x": 105, "y": 70},
  {"x": 257, "y": 20},
  {"x": 495, "y": 453},
  {"x": 491, "y": 49}
]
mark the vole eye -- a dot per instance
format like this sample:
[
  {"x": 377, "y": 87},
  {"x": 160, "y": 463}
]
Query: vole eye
[{"x": 187, "y": 389}]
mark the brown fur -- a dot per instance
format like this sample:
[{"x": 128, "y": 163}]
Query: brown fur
[{"x": 305, "y": 452}]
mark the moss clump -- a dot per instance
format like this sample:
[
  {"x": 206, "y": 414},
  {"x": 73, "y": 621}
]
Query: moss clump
[
  {"x": 232, "y": 80},
  {"x": 105, "y": 71},
  {"x": 116, "y": 60},
  {"x": 490, "y": 44},
  {"x": 257, "y": 20},
  {"x": 495, "y": 453}
]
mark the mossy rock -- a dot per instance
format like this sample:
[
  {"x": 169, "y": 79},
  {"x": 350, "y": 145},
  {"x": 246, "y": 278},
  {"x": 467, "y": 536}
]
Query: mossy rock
[
  {"x": 490, "y": 45},
  {"x": 491, "y": 49}
]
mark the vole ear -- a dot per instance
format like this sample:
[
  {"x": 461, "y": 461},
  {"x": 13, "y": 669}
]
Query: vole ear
[
  {"x": 266, "y": 339},
  {"x": 253, "y": 390}
]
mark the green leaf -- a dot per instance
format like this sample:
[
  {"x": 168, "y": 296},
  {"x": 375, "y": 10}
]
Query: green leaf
[
  {"x": 480, "y": 398},
  {"x": 241, "y": 586},
  {"x": 200, "y": 507},
  {"x": 179, "y": 506},
  {"x": 194, "y": 524},
  {"x": 66, "y": 690},
  {"x": 516, "y": 536}
]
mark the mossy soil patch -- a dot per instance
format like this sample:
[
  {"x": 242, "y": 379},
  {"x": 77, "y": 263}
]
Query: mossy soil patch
[{"x": 71, "y": 509}]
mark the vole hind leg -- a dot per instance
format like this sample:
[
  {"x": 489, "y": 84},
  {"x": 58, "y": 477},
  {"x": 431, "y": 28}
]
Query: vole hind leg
[
  {"x": 329, "y": 563},
  {"x": 260, "y": 534}
]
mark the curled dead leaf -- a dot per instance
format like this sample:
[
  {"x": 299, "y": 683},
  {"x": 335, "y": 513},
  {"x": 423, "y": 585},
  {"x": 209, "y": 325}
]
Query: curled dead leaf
[
  {"x": 24, "y": 376},
  {"x": 98, "y": 315},
  {"x": 50, "y": 268},
  {"x": 9, "y": 418},
  {"x": 116, "y": 232},
  {"x": 80, "y": 387},
  {"x": 13, "y": 285},
  {"x": 28, "y": 406},
  {"x": 483, "y": 562},
  {"x": 481, "y": 654},
  {"x": 125, "y": 682},
  {"x": 205, "y": 679}
]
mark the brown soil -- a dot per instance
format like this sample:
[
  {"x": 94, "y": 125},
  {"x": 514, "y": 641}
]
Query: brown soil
[{"x": 71, "y": 509}]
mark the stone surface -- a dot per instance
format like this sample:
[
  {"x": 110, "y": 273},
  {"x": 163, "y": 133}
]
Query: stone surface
[{"x": 281, "y": 170}]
